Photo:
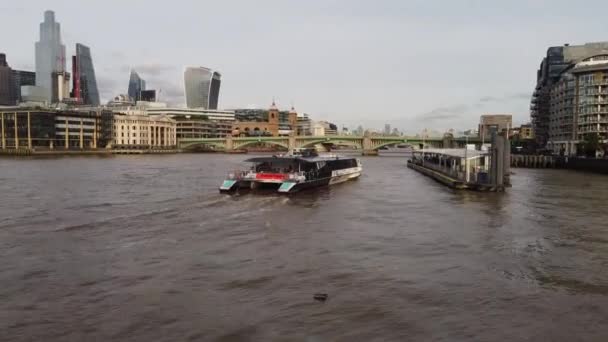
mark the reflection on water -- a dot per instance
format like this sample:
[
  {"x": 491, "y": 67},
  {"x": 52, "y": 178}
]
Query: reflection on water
[{"x": 145, "y": 248}]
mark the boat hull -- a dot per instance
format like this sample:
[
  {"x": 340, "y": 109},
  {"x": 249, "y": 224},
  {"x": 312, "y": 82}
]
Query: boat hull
[{"x": 288, "y": 187}]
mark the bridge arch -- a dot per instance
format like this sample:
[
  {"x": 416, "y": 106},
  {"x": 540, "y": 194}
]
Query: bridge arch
[
  {"x": 377, "y": 146},
  {"x": 242, "y": 144},
  {"x": 352, "y": 142},
  {"x": 213, "y": 144}
]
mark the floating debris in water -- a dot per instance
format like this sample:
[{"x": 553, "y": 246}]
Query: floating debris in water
[{"x": 320, "y": 297}]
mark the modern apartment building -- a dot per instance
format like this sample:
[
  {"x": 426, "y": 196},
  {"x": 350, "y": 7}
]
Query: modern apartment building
[
  {"x": 202, "y": 87},
  {"x": 568, "y": 99}
]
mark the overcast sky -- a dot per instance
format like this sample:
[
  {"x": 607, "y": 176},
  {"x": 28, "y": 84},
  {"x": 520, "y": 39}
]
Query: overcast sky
[{"x": 412, "y": 64}]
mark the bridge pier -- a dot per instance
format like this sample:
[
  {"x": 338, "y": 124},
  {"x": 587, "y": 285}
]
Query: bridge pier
[
  {"x": 292, "y": 142},
  {"x": 229, "y": 143},
  {"x": 368, "y": 149}
]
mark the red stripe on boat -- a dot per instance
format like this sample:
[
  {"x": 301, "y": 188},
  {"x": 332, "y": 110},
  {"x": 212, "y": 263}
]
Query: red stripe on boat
[{"x": 274, "y": 176}]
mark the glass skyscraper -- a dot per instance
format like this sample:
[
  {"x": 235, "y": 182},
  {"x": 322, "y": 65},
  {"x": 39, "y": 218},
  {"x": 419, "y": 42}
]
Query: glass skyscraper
[
  {"x": 202, "y": 87},
  {"x": 136, "y": 86},
  {"x": 50, "y": 54},
  {"x": 23, "y": 78},
  {"x": 85, "y": 82}
]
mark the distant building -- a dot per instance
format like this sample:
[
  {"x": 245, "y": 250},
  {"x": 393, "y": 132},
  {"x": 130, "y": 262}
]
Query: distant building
[
  {"x": 84, "y": 129},
  {"x": 143, "y": 132},
  {"x": 85, "y": 83},
  {"x": 60, "y": 87},
  {"x": 567, "y": 85},
  {"x": 202, "y": 87},
  {"x": 328, "y": 128},
  {"x": 190, "y": 123},
  {"x": 318, "y": 129},
  {"x": 283, "y": 123},
  {"x": 473, "y": 132},
  {"x": 358, "y": 131},
  {"x": 523, "y": 132},
  {"x": 304, "y": 125},
  {"x": 270, "y": 127},
  {"x": 526, "y": 131},
  {"x": 248, "y": 114},
  {"x": 7, "y": 83},
  {"x": 136, "y": 86},
  {"x": 189, "y": 127},
  {"x": 50, "y": 54},
  {"x": 387, "y": 129},
  {"x": 121, "y": 101},
  {"x": 288, "y": 122},
  {"x": 490, "y": 123},
  {"x": 213, "y": 115},
  {"x": 22, "y": 78},
  {"x": 323, "y": 128},
  {"x": 148, "y": 95},
  {"x": 55, "y": 129},
  {"x": 34, "y": 94}
]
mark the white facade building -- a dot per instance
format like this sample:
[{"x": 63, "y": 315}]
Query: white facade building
[
  {"x": 144, "y": 131},
  {"x": 318, "y": 129}
]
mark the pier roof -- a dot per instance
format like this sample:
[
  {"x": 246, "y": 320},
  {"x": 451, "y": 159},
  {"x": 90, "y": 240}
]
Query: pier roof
[{"x": 455, "y": 152}]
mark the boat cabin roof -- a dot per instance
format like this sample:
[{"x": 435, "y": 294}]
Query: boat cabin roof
[{"x": 288, "y": 158}]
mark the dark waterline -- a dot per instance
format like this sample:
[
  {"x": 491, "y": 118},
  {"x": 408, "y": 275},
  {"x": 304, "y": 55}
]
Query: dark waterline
[{"x": 144, "y": 248}]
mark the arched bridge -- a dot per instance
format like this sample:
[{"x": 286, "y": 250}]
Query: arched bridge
[{"x": 368, "y": 145}]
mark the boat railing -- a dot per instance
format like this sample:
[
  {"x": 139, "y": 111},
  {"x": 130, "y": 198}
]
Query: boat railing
[
  {"x": 250, "y": 175},
  {"x": 238, "y": 174}
]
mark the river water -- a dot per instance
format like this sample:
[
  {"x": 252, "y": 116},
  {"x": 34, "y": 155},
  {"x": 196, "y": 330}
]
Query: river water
[{"x": 144, "y": 248}]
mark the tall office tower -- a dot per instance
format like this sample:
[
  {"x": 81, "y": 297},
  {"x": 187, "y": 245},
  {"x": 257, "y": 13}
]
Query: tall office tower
[
  {"x": 7, "y": 83},
  {"x": 387, "y": 129},
  {"x": 85, "y": 84},
  {"x": 202, "y": 87},
  {"x": 136, "y": 86},
  {"x": 50, "y": 54},
  {"x": 22, "y": 78}
]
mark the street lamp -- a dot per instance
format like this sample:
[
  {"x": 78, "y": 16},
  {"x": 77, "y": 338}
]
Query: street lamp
[{"x": 466, "y": 159}]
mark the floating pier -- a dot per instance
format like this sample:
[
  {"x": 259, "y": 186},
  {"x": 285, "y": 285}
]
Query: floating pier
[{"x": 467, "y": 169}]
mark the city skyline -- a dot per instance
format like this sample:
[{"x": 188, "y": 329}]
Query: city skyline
[{"x": 490, "y": 66}]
